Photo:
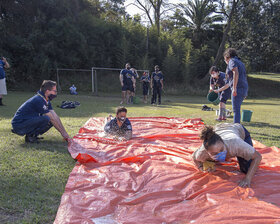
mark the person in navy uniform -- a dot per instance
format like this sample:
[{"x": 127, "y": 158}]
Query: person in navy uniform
[
  {"x": 119, "y": 127},
  {"x": 127, "y": 81},
  {"x": 36, "y": 116},
  {"x": 157, "y": 85},
  {"x": 145, "y": 79},
  {"x": 3, "y": 89},
  {"x": 218, "y": 80},
  {"x": 237, "y": 81},
  {"x": 135, "y": 76}
]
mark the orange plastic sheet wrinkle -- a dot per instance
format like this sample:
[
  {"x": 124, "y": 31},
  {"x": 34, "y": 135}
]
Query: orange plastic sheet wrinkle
[{"x": 151, "y": 179}]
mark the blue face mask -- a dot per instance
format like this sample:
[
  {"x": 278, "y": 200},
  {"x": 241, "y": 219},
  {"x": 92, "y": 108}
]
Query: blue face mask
[{"x": 221, "y": 157}]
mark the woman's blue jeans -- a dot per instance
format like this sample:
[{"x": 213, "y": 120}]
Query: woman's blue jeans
[{"x": 236, "y": 102}]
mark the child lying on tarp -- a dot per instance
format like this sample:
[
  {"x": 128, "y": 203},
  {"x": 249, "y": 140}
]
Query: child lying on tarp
[
  {"x": 224, "y": 142},
  {"x": 120, "y": 127}
]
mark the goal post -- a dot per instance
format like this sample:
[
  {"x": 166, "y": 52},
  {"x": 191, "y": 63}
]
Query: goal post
[
  {"x": 95, "y": 69},
  {"x": 86, "y": 80}
]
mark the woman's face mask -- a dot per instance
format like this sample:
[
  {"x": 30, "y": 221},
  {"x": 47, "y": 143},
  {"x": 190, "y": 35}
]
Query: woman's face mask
[
  {"x": 221, "y": 157},
  {"x": 218, "y": 152}
]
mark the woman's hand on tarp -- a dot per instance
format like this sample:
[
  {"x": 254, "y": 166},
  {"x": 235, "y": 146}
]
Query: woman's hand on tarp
[{"x": 245, "y": 183}]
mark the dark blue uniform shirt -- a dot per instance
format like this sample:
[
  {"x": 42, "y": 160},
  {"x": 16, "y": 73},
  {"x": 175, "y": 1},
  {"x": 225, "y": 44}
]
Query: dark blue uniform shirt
[
  {"x": 113, "y": 128},
  {"x": 127, "y": 77},
  {"x": 2, "y": 71},
  {"x": 35, "y": 106},
  {"x": 156, "y": 79},
  {"x": 146, "y": 79},
  {"x": 242, "y": 79}
]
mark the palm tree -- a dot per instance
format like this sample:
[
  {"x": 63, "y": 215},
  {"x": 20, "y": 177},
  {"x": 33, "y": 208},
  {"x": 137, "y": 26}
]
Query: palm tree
[{"x": 200, "y": 16}]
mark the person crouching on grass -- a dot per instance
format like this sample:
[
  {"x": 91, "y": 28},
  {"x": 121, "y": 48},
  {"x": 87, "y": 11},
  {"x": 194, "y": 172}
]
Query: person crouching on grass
[
  {"x": 224, "y": 142},
  {"x": 218, "y": 80},
  {"x": 36, "y": 116},
  {"x": 119, "y": 127}
]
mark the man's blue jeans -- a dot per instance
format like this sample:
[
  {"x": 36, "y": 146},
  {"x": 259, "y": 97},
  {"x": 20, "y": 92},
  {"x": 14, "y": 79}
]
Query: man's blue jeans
[
  {"x": 236, "y": 102},
  {"x": 34, "y": 126}
]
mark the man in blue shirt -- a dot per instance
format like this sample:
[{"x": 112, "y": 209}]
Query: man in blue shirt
[
  {"x": 3, "y": 88},
  {"x": 135, "y": 76},
  {"x": 157, "y": 85},
  {"x": 119, "y": 126},
  {"x": 145, "y": 79},
  {"x": 36, "y": 116},
  {"x": 217, "y": 81},
  {"x": 127, "y": 81},
  {"x": 237, "y": 81}
]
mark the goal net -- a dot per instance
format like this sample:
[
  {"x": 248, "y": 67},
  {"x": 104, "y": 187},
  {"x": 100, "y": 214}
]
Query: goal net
[{"x": 97, "y": 81}]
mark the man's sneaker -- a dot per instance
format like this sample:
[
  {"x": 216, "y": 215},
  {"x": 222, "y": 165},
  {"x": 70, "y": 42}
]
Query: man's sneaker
[
  {"x": 224, "y": 119},
  {"x": 31, "y": 139},
  {"x": 219, "y": 119}
]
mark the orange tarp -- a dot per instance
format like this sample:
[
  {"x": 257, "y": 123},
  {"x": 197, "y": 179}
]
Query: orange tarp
[{"x": 151, "y": 179}]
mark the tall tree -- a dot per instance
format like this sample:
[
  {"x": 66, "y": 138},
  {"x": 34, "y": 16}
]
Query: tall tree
[
  {"x": 154, "y": 10},
  {"x": 229, "y": 15},
  {"x": 200, "y": 15}
]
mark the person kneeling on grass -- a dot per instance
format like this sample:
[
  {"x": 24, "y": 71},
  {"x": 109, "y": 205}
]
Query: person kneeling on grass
[
  {"x": 227, "y": 141},
  {"x": 119, "y": 127},
  {"x": 36, "y": 116}
]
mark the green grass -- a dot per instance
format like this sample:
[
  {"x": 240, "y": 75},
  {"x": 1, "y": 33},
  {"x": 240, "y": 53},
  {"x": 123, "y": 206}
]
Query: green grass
[
  {"x": 263, "y": 85},
  {"x": 33, "y": 176}
]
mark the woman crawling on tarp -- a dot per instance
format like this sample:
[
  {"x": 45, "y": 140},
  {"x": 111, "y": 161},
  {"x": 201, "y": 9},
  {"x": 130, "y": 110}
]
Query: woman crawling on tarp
[{"x": 224, "y": 142}]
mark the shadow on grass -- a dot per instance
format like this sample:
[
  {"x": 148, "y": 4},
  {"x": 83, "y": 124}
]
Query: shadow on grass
[
  {"x": 261, "y": 125},
  {"x": 261, "y": 103},
  {"x": 266, "y": 137},
  {"x": 47, "y": 145}
]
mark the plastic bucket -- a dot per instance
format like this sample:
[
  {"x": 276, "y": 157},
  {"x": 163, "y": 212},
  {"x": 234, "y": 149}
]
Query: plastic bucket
[
  {"x": 213, "y": 98},
  {"x": 246, "y": 115}
]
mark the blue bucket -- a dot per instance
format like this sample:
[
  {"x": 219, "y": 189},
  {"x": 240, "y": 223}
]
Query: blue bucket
[{"x": 246, "y": 115}]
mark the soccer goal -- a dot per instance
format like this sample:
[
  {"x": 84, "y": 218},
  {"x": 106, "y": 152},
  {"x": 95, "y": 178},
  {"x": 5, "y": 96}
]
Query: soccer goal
[
  {"x": 83, "y": 79},
  {"x": 95, "y": 80}
]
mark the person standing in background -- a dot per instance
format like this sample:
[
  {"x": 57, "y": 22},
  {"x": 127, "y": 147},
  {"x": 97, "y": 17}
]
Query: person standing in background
[
  {"x": 157, "y": 85},
  {"x": 217, "y": 81},
  {"x": 126, "y": 80},
  {"x": 3, "y": 89},
  {"x": 237, "y": 81},
  {"x": 145, "y": 79}
]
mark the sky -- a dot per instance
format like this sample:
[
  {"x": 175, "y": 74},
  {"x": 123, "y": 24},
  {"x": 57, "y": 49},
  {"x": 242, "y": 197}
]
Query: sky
[{"x": 132, "y": 10}]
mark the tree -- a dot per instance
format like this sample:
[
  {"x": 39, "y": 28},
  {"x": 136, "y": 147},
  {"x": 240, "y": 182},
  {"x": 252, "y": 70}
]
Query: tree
[
  {"x": 255, "y": 33},
  {"x": 229, "y": 17},
  {"x": 200, "y": 17},
  {"x": 158, "y": 8}
]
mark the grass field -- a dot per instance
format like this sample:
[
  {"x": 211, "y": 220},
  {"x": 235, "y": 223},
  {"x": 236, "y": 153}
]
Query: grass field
[{"x": 33, "y": 176}]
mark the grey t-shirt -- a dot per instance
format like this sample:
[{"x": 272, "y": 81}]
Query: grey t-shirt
[{"x": 233, "y": 136}]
